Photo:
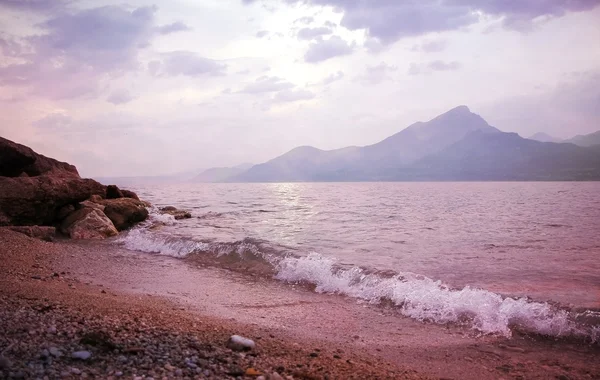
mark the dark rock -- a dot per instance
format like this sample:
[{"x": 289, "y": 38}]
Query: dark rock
[
  {"x": 176, "y": 213},
  {"x": 98, "y": 339},
  {"x": 18, "y": 160},
  {"x": 88, "y": 223},
  {"x": 239, "y": 343},
  {"x": 113, "y": 192},
  {"x": 130, "y": 194},
  {"x": 38, "y": 232},
  {"x": 37, "y": 200},
  {"x": 125, "y": 212},
  {"x": 63, "y": 212}
]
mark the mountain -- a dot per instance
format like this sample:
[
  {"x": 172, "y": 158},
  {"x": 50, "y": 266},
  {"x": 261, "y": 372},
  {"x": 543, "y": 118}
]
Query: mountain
[
  {"x": 149, "y": 180},
  {"x": 544, "y": 137},
  {"x": 220, "y": 174},
  {"x": 507, "y": 157},
  {"x": 586, "y": 140},
  {"x": 457, "y": 145},
  {"x": 371, "y": 162}
]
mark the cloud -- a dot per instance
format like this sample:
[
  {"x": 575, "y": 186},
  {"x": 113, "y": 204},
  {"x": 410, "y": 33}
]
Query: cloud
[
  {"x": 323, "y": 50},
  {"x": 312, "y": 33},
  {"x": 177, "y": 26},
  {"x": 390, "y": 20},
  {"x": 333, "y": 78},
  {"x": 262, "y": 34},
  {"x": 304, "y": 20},
  {"x": 34, "y": 5},
  {"x": 287, "y": 96},
  {"x": 76, "y": 50},
  {"x": 185, "y": 63},
  {"x": 267, "y": 84},
  {"x": 121, "y": 96},
  {"x": 377, "y": 74},
  {"x": 430, "y": 67},
  {"x": 433, "y": 46}
]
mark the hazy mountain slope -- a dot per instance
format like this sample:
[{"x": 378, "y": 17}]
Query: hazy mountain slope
[
  {"x": 507, "y": 156},
  {"x": 586, "y": 140},
  {"x": 422, "y": 139},
  {"x": 544, "y": 137},
  {"x": 220, "y": 174},
  {"x": 373, "y": 161}
]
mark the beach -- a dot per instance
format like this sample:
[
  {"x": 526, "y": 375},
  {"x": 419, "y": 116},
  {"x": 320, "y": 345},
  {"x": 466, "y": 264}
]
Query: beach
[{"x": 141, "y": 316}]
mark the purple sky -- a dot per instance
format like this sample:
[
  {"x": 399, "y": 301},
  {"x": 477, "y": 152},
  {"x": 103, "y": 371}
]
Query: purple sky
[{"x": 153, "y": 87}]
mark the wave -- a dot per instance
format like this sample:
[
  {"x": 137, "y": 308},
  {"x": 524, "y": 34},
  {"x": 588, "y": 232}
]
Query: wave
[{"x": 413, "y": 295}]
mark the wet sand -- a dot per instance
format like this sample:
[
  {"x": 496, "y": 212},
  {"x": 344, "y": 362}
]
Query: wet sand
[{"x": 303, "y": 334}]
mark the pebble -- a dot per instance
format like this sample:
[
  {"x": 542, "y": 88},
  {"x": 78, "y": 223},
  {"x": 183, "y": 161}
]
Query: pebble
[
  {"x": 118, "y": 374},
  {"x": 52, "y": 330},
  {"x": 275, "y": 376},
  {"x": 55, "y": 352},
  {"x": 75, "y": 371},
  {"x": 81, "y": 355},
  {"x": 4, "y": 363},
  {"x": 239, "y": 343}
]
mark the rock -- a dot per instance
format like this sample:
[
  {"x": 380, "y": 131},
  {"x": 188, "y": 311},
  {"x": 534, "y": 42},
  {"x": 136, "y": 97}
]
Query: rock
[
  {"x": 90, "y": 204},
  {"x": 38, "y": 232},
  {"x": 275, "y": 376},
  {"x": 55, "y": 352},
  {"x": 125, "y": 212},
  {"x": 37, "y": 200},
  {"x": 252, "y": 372},
  {"x": 177, "y": 214},
  {"x": 113, "y": 192},
  {"x": 81, "y": 355},
  {"x": 17, "y": 160},
  {"x": 4, "y": 363},
  {"x": 130, "y": 194},
  {"x": 63, "y": 212},
  {"x": 88, "y": 223},
  {"x": 239, "y": 343},
  {"x": 96, "y": 198},
  {"x": 76, "y": 371}
]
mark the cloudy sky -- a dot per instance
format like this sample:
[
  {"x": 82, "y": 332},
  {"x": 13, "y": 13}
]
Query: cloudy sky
[{"x": 137, "y": 87}]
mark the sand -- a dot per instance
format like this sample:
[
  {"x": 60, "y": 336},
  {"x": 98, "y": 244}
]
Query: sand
[{"x": 141, "y": 315}]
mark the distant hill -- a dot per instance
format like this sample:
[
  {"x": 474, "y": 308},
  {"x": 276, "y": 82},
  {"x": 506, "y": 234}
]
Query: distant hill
[
  {"x": 507, "y": 157},
  {"x": 371, "y": 162},
  {"x": 586, "y": 140},
  {"x": 220, "y": 174},
  {"x": 544, "y": 137},
  {"x": 457, "y": 145},
  {"x": 148, "y": 180}
]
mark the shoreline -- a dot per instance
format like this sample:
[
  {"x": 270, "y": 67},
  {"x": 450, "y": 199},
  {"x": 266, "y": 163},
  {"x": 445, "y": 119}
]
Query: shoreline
[{"x": 308, "y": 335}]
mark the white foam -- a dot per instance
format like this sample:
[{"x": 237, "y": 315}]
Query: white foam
[
  {"x": 146, "y": 241},
  {"x": 424, "y": 299}
]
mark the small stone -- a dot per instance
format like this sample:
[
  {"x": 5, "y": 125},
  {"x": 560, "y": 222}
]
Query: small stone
[
  {"x": 314, "y": 354},
  {"x": 118, "y": 374},
  {"x": 36, "y": 277},
  {"x": 261, "y": 378},
  {"x": 239, "y": 343},
  {"x": 52, "y": 330},
  {"x": 4, "y": 363},
  {"x": 45, "y": 353},
  {"x": 81, "y": 355},
  {"x": 275, "y": 376},
  {"x": 178, "y": 372},
  {"x": 75, "y": 371},
  {"x": 192, "y": 365},
  {"x": 252, "y": 372},
  {"x": 122, "y": 359},
  {"x": 55, "y": 352}
]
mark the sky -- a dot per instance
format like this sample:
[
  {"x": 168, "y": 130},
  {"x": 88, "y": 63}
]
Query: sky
[{"x": 143, "y": 88}]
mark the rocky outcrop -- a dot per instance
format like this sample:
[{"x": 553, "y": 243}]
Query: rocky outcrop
[
  {"x": 38, "y": 200},
  {"x": 39, "y": 191},
  {"x": 113, "y": 192},
  {"x": 124, "y": 212},
  {"x": 88, "y": 223},
  {"x": 176, "y": 213},
  {"x": 38, "y": 232},
  {"x": 17, "y": 160}
]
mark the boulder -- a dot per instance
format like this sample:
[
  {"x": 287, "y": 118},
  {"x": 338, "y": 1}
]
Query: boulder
[
  {"x": 177, "y": 214},
  {"x": 88, "y": 223},
  {"x": 113, "y": 192},
  {"x": 38, "y": 232},
  {"x": 130, "y": 194},
  {"x": 63, "y": 212},
  {"x": 125, "y": 212},
  {"x": 93, "y": 205},
  {"x": 17, "y": 160},
  {"x": 96, "y": 198},
  {"x": 37, "y": 200}
]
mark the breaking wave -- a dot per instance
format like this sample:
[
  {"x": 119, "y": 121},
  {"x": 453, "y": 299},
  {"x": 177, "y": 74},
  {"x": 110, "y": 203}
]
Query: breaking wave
[{"x": 413, "y": 295}]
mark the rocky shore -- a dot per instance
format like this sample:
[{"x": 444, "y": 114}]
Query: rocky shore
[{"x": 57, "y": 327}]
